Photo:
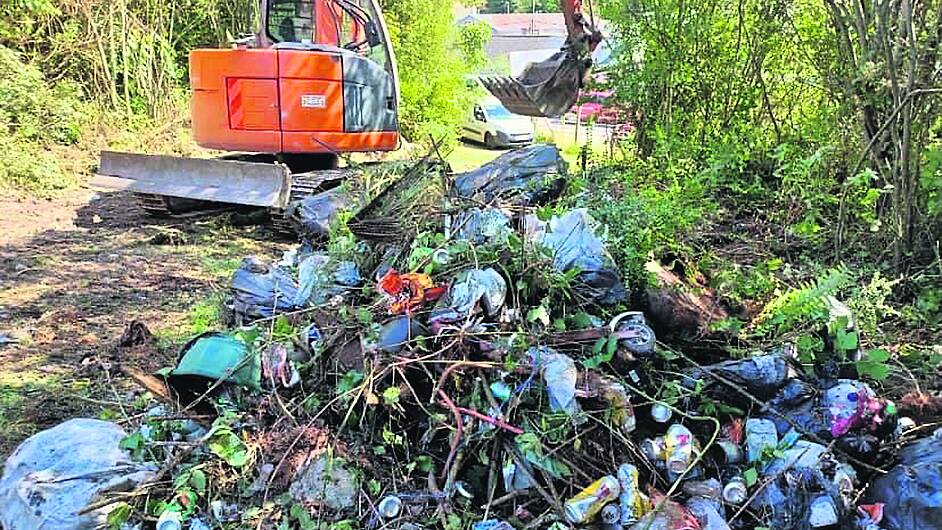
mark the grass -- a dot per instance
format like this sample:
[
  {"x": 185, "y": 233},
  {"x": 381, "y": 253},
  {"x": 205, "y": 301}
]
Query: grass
[{"x": 469, "y": 156}]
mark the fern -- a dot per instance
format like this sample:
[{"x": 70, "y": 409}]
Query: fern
[{"x": 802, "y": 307}]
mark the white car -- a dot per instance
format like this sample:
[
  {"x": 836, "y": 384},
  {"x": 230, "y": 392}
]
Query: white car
[{"x": 495, "y": 126}]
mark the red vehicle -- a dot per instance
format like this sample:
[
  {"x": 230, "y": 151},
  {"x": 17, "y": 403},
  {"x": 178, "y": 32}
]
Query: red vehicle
[{"x": 595, "y": 106}]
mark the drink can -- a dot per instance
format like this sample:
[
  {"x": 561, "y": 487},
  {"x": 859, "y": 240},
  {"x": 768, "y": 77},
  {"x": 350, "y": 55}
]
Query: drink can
[
  {"x": 679, "y": 448},
  {"x": 735, "y": 491},
  {"x": 390, "y": 506},
  {"x": 630, "y": 500},
  {"x": 610, "y": 514},
  {"x": 661, "y": 412},
  {"x": 588, "y": 502},
  {"x": 654, "y": 449},
  {"x": 732, "y": 452}
]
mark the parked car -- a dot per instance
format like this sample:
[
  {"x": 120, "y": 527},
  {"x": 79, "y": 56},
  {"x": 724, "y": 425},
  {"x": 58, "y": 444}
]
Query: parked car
[
  {"x": 495, "y": 126},
  {"x": 595, "y": 106}
]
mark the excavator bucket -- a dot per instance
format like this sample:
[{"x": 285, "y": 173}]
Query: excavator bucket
[
  {"x": 547, "y": 88},
  {"x": 216, "y": 180}
]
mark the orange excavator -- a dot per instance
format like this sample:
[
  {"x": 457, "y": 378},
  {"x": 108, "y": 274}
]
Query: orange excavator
[{"x": 317, "y": 80}]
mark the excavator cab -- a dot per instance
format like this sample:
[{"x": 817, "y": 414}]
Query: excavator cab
[{"x": 320, "y": 77}]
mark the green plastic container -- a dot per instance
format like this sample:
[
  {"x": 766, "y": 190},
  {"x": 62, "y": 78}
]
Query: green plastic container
[{"x": 219, "y": 356}]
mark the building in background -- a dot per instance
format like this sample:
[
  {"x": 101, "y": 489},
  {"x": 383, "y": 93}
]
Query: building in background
[{"x": 518, "y": 39}]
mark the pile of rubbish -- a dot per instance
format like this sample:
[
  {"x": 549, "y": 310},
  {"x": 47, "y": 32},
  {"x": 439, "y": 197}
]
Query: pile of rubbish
[{"x": 480, "y": 367}]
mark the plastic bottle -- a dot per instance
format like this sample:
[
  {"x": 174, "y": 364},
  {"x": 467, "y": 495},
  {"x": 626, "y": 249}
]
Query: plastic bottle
[
  {"x": 760, "y": 434},
  {"x": 588, "y": 502}
]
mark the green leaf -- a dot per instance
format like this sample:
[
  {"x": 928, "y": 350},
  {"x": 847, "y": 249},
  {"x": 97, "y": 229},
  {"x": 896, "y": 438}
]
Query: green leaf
[
  {"x": 364, "y": 316},
  {"x": 119, "y": 514},
  {"x": 874, "y": 365},
  {"x": 391, "y": 395},
  {"x": 612, "y": 347},
  {"x": 581, "y": 320},
  {"x": 599, "y": 344},
  {"x": 228, "y": 446},
  {"x": 198, "y": 480},
  {"x": 424, "y": 463},
  {"x": 349, "y": 381},
  {"x": 539, "y": 314},
  {"x": 132, "y": 442},
  {"x": 374, "y": 487},
  {"x": 846, "y": 340},
  {"x": 750, "y": 476}
]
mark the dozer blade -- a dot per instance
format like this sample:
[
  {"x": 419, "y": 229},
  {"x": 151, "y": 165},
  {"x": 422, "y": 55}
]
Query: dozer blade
[
  {"x": 223, "y": 181},
  {"x": 547, "y": 88}
]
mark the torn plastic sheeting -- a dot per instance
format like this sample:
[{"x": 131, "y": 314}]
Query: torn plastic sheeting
[
  {"x": 574, "y": 244},
  {"x": 560, "y": 376},
  {"x": 706, "y": 512},
  {"x": 472, "y": 289},
  {"x": 482, "y": 225},
  {"x": 313, "y": 214},
  {"x": 911, "y": 491},
  {"x": 57, "y": 473},
  {"x": 320, "y": 278},
  {"x": 802, "y": 455},
  {"x": 532, "y": 175},
  {"x": 326, "y": 481},
  {"x": 762, "y": 375},
  {"x": 261, "y": 291}
]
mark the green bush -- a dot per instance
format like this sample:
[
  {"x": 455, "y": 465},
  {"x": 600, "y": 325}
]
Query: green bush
[
  {"x": 30, "y": 107},
  {"x": 647, "y": 209},
  {"x": 435, "y": 97},
  {"x": 34, "y": 117}
]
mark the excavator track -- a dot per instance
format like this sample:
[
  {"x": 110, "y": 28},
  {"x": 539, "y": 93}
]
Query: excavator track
[
  {"x": 153, "y": 204},
  {"x": 304, "y": 185}
]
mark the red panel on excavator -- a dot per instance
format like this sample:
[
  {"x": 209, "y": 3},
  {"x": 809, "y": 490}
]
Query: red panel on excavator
[{"x": 253, "y": 104}]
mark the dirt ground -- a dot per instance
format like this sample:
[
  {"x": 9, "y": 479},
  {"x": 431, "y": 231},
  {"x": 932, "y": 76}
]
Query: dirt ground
[{"x": 74, "y": 271}]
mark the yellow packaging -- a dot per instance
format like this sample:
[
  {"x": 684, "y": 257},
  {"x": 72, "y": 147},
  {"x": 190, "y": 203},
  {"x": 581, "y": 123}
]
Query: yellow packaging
[{"x": 588, "y": 502}]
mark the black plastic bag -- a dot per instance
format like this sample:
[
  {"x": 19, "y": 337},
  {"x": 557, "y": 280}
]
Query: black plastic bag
[
  {"x": 531, "y": 175},
  {"x": 260, "y": 291},
  {"x": 910, "y": 491},
  {"x": 312, "y": 215}
]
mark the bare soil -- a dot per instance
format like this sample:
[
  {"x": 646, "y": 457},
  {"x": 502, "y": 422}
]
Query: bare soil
[{"x": 74, "y": 271}]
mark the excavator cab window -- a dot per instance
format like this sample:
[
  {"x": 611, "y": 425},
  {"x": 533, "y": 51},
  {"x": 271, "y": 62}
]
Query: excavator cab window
[
  {"x": 291, "y": 20},
  {"x": 340, "y": 23}
]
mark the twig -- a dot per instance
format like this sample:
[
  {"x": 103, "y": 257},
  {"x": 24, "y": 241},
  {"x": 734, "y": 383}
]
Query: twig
[
  {"x": 497, "y": 422},
  {"x": 459, "y": 431}
]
